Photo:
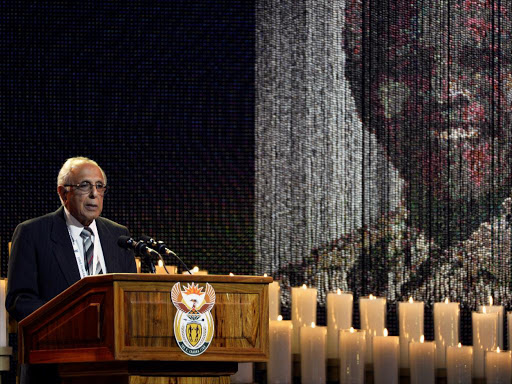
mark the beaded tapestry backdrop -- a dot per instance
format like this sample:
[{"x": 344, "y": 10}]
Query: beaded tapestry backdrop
[
  {"x": 160, "y": 94},
  {"x": 384, "y": 147}
]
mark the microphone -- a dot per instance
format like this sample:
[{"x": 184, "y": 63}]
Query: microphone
[
  {"x": 160, "y": 248},
  {"x": 140, "y": 248}
]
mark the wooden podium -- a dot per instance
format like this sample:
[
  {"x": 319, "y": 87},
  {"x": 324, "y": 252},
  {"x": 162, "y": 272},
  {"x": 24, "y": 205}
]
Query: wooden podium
[{"x": 118, "y": 328}]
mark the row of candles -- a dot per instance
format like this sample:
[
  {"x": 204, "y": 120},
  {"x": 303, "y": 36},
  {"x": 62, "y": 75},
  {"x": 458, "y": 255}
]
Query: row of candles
[
  {"x": 372, "y": 345},
  {"x": 160, "y": 269}
]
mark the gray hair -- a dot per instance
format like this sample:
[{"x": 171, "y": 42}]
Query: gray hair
[{"x": 72, "y": 162}]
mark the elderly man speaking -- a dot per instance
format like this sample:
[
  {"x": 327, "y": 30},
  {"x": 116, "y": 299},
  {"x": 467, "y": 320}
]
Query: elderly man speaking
[{"x": 52, "y": 252}]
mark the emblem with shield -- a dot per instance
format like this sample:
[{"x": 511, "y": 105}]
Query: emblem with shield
[{"x": 193, "y": 323}]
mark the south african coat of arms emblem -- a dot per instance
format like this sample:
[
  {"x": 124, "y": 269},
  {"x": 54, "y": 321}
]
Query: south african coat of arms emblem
[{"x": 193, "y": 323}]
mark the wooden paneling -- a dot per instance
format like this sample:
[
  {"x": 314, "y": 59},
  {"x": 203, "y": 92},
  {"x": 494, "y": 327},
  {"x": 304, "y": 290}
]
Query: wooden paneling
[
  {"x": 119, "y": 327},
  {"x": 240, "y": 316},
  {"x": 80, "y": 329}
]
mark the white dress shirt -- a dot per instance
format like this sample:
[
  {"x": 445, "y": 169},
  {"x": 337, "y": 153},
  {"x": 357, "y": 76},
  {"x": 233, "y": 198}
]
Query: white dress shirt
[{"x": 75, "y": 228}]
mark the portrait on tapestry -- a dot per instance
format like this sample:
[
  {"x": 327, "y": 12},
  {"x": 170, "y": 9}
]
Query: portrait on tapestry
[{"x": 431, "y": 83}]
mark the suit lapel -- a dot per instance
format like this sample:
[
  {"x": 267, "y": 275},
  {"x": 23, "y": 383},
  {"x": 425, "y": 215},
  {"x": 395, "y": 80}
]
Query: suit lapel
[
  {"x": 108, "y": 245},
  {"x": 63, "y": 249}
]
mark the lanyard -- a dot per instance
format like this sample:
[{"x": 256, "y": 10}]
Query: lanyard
[{"x": 79, "y": 257}]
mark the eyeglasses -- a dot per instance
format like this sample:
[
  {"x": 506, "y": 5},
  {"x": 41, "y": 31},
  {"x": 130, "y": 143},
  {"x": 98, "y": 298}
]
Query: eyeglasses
[{"x": 86, "y": 187}]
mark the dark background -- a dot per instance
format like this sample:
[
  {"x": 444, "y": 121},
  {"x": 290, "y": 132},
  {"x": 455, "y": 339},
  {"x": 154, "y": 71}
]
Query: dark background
[{"x": 160, "y": 94}]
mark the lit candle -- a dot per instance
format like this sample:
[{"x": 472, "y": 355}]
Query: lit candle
[
  {"x": 459, "y": 364},
  {"x": 386, "y": 356},
  {"x": 279, "y": 366},
  {"x": 410, "y": 315},
  {"x": 485, "y": 338},
  {"x": 196, "y": 271},
  {"x": 339, "y": 316},
  {"x": 500, "y": 311},
  {"x": 352, "y": 346},
  {"x": 160, "y": 270},
  {"x": 274, "y": 300},
  {"x": 303, "y": 311},
  {"x": 498, "y": 366},
  {"x": 372, "y": 312},
  {"x": 446, "y": 329},
  {"x": 422, "y": 361},
  {"x": 4, "y": 339},
  {"x": 312, "y": 354}
]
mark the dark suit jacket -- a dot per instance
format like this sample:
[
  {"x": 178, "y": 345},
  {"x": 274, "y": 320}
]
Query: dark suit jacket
[{"x": 42, "y": 262}]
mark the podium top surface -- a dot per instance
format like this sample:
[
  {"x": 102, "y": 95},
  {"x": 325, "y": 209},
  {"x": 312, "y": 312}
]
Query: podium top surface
[{"x": 111, "y": 277}]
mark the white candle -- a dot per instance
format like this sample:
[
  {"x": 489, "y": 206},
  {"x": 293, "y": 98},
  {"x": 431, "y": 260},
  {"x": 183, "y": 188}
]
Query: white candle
[
  {"x": 459, "y": 364},
  {"x": 352, "y": 347},
  {"x": 339, "y": 316},
  {"x": 372, "y": 311},
  {"x": 410, "y": 315},
  {"x": 4, "y": 339},
  {"x": 500, "y": 311},
  {"x": 196, "y": 271},
  {"x": 386, "y": 357},
  {"x": 312, "y": 354},
  {"x": 498, "y": 366},
  {"x": 303, "y": 312},
  {"x": 274, "y": 300},
  {"x": 244, "y": 375},
  {"x": 422, "y": 361},
  {"x": 160, "y": 270},
  {"x": 509, "y": 326},
  {"x": 279, "y": 366},
  {"x": 446, "y": 329},
  {"x": 485, "y": 338}
]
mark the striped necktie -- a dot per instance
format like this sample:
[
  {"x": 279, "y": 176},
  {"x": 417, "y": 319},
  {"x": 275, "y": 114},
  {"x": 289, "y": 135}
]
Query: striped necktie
[{"x": 88, "y": 249}]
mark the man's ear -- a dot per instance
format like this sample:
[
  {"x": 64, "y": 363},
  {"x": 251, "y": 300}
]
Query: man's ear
[{"x": 62, "y": 191}]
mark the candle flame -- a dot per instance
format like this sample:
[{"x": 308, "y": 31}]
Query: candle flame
[
  {"x": 459, "y": 345},
  {"x": 371, "y": 297},
  {"x": 446, "y": 301},
  {"x": 304, "y": 286},
  {"x": 411, "y": 300},
  {"x": 279, "y": 318},
  {"x": 498, "y": 349},
  {"x": 385, "y": 332},
  {"x": 422, "y": 339},
  {"x": 338, "y": 291},
  {"x": 352, "y": 330},
  {"x": 490, "y": 300},
  {"x": 160, "y": 263},
  {"x": 231, "y": 274},
  {"x": 195, "y": 269},
  {"x": 313, "y": 324}
]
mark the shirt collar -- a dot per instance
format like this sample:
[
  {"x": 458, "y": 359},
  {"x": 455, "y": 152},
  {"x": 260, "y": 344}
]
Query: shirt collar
[{"x": 75, "y": 227}]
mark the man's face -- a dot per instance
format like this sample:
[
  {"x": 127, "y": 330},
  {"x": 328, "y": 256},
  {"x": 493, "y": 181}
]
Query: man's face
[
  {"x": 85, "y": 207},
  {"x": 442, "y": 99}
]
